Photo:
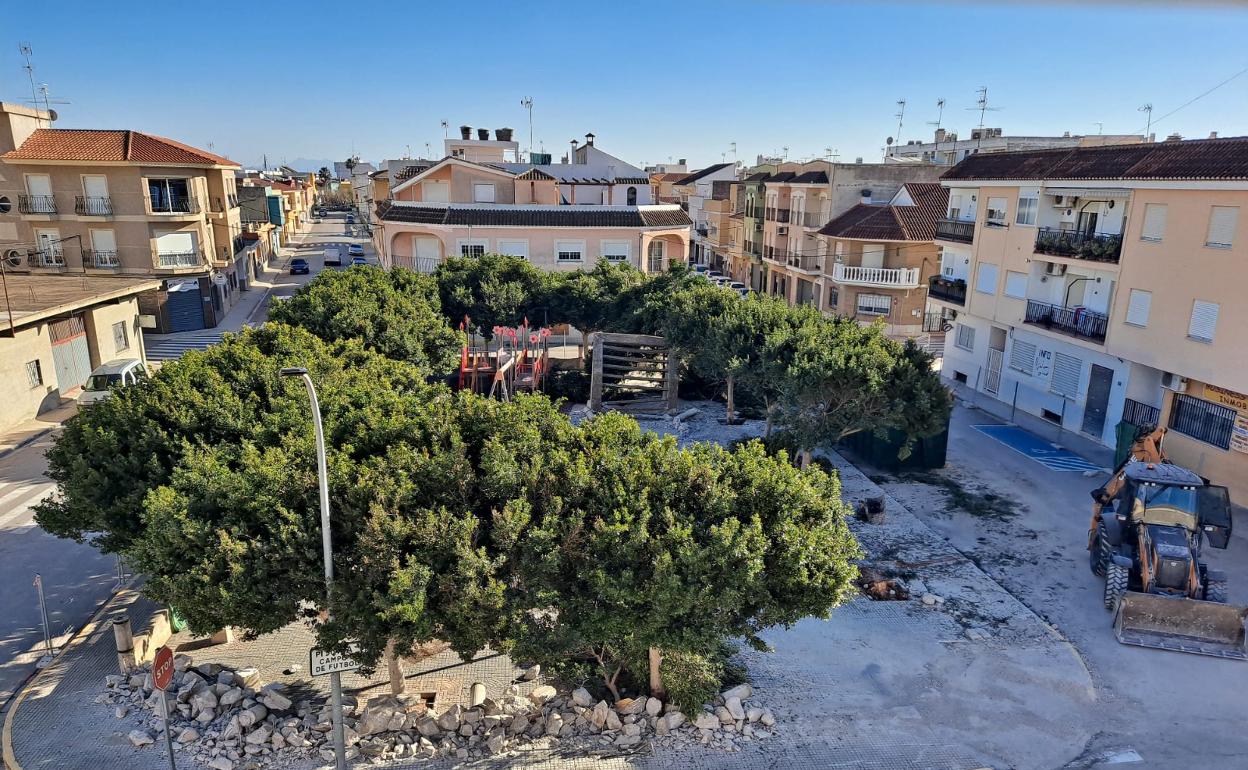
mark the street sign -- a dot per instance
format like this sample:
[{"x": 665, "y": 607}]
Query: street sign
[
  {"x": 162, "y": 668},
  {"x": 322, "y": 663}
]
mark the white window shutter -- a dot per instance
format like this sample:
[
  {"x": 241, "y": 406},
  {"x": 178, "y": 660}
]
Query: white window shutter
[
  {"x": 1138, "y": 307},
  {"x": 1023, "y": 356},
  {"x": 1066, "y": 369},
  {"x": 1015, "y": 284},
  {"x": 966, "y": 337},
  {"x": 987, "y": 279},
  {"x": 1222, "y": 225},
  {"x": 1204, "y": 320},
  {"x": 1154, "y": 222}
]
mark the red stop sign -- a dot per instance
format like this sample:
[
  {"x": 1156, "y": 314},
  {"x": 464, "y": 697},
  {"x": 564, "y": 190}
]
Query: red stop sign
[{"x": 162, "y": 668}]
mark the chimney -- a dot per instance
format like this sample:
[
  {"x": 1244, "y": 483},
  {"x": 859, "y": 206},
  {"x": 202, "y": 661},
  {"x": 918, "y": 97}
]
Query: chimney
[
  {"x": 1213, "y": 134},
  {"x": 589, "y": 139},
  {"x": 483, "y": 134},
  {"x": 858, "y": 160},
  {"x": 940, "y": 134},
  {"x": 572, "y": 155},
  {"x": 1175, "y": 137},
  {"x": 683, "y": 161},
  {"x": 866, "y": 196},
  {"x": 465, "y": 132},
  {"x": 502, "y": 134}
]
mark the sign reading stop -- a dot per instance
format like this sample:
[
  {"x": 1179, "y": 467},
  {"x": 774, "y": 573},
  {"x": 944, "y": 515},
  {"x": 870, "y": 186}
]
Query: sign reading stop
[{"x": 162, "y": 668}]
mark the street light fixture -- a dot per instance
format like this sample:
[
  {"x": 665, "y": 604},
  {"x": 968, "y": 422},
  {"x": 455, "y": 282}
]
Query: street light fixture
[{"x": 327, "y": 546}]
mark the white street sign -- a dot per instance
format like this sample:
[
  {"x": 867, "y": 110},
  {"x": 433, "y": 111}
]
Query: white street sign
[{"x": 322, "y": 663}]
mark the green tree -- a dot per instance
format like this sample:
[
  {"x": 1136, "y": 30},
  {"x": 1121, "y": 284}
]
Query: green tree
[
  {"x": 492, "y": 290},
  {"x": 324, "y": 175},
  {"x": 394, "y": 312}
]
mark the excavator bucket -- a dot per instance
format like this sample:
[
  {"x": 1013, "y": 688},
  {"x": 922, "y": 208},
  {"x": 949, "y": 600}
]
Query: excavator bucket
[{"x": 1181, "y": 625}]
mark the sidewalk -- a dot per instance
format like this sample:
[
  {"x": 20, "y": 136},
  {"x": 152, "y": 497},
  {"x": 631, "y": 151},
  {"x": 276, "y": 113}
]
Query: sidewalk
[{"x": 24, "y": 433}]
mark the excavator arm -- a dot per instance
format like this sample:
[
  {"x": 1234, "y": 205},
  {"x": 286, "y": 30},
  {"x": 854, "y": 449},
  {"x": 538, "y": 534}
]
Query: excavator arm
[{"x": 1147, "y": 449}]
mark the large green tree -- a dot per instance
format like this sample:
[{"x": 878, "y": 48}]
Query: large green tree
[{"x": 492, "y": 290}]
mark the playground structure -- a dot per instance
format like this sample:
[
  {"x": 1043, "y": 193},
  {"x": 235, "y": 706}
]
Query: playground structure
[
  {"x": 637, "y": 373},
  {"x": 516, "y": 359}
]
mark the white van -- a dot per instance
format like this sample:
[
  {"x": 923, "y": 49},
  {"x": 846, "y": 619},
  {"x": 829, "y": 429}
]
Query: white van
[
  {"x": 333, "y": 256},
  {"x": 123, "y": 371}
]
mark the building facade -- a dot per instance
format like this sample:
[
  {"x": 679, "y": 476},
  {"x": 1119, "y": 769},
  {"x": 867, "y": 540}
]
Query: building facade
[
  {"x": 1096, "y": 285},
  {"x": 696, "y": 193},
  {"x": 946, "y": 149}
]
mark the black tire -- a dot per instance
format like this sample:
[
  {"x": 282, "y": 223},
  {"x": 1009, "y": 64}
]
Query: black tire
[
  {"x": 1099, "y": 553},
  {"x": 1215, "y": 591},
  {"x": 1116, "y": 577}
]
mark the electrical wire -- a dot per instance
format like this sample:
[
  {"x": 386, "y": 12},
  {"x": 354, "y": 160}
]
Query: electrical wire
[{"x": 1194, "y": 99}]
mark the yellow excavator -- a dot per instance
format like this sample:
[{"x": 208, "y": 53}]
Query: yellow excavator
[{"x": 1148, "y": 525}]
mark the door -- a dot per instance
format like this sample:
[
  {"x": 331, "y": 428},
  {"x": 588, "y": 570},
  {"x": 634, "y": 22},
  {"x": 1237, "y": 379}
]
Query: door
[
  {"x": 1099, "y": 383},
  {"x": 177, "y": 249},
  {"x": 71, "y": 356},
  {"x": 992, "y": 383},
  {"x": 104, "y": 248},
  {"x": 428, "y": 254},
  {"x": 1087, "y": 222},
  {"x": 48, "y": 244},
  {"x": 39, "y": 186},
  {"x": 184, "y": 305},
  {"x": 1215, "y": 514},
  {"x": 873, "y": 255}
]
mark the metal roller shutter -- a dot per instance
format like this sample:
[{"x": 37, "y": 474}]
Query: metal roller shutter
[
  {"x": 185, "y": 306},
  {"x": 71, "y": 356}
]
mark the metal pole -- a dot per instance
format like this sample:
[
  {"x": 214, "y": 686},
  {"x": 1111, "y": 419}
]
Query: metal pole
[
  {"x": 164, "y": 699},
  {"x": 1014, "y": 403},
  {"x": 327, "y": 547},
  {"x": 43, "y": 612}
]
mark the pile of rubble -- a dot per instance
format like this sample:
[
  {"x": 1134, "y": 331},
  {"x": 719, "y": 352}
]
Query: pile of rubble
[{"x": 229, "y": 720}]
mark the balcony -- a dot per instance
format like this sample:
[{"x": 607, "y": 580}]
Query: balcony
[
  {"x": 179, "y": 259},
  {"x": 947, "y": 289},
  {"x": 173, "y": 205},
  {"x": 807, "y": 264},
  {"x": 1097, "y": 247},
  {"x": 93, "y": 206},
  {"x": 36, "y": 204},
  {"x": 701, "y": 229},
  {"x": 102, "y": 259},
  {"x": 812, "y": 219},
  {"x": 1072, "y": 321},
  {"x": 956, "y": 230},
  {"x": 770, "y": 254},
  {"x": 51, "y": 257},
  {"x": 885, "y": 277},
  {"x": 777, "y": 215},
  {"x": 754, "y": 249}
]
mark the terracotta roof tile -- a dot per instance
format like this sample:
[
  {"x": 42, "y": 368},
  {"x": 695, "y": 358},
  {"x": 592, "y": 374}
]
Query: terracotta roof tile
[
  {"x": 1196, "y": 159},
  {"x": 868, "y": 221},
  {"x": 522, "y": 216},
  {"x": 109, "y": 145}
]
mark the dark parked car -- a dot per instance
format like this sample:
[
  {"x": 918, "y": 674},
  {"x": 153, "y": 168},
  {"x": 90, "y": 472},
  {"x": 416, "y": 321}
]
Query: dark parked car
[
  {"x": 300, "y": 267},
  {"x": 358, "y": 261},
  {"x": 350, "y": 219}
]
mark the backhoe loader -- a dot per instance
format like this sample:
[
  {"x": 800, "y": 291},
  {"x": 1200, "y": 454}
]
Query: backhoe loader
[{"x": 1148, "y": 525}]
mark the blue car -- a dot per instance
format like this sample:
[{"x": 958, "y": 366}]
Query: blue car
[
  {"x": 300, "y": 267},
  {"x": 358, "y": 261}
]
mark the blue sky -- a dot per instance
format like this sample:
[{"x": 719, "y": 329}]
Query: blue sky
[{"x": 653, "y": 80}]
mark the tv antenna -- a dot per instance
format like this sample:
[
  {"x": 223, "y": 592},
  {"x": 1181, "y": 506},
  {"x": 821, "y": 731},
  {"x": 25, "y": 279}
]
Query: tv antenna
[
  {"x": 445, "y": 127},
  {"x": 47, "y": 101},
  {"x": 732, "y": 147},
  {"x": 1100, "y": 127},
  {"x": 901, "y": 115},
  {"x": 785, "y": 154},
  {"x": 981, "y": 104},
  {"x": 28, "y": 52},
  {"x": 940, "y": 115},
  {"x": 1148, "y": 128},
  {"x": 527, "y": 103}
]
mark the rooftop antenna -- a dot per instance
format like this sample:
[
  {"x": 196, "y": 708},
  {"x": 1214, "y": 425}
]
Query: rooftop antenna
[
  {"x": 1149, "y": 109},
  {"x": 527, "y": 103},
  {"x": 408, "y": 156},
  {"x": 732, "y": 147},
  {"x": 1100, "y": 127},
  {"x": 27, "y": 52},
  {"x": 940, "y": 115},
  {"x": 445, "y": 127},
  {"x": 901, "y": 116},
  {"x": 428, "y": 150},
  {"x": 785, "y": 154},
  {"x": 981, "y": 104},
  {"x": 47, "y": 101}
]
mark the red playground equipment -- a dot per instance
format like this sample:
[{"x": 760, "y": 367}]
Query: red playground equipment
[{"x": 516, "y": 359}]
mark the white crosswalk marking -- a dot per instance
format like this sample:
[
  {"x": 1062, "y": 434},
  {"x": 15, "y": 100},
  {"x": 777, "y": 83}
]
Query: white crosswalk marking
[{"x": 170, "y": 348}]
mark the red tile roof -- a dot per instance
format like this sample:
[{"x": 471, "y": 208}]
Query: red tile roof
[
  {"x": 876, "y": 222},
  {"x": 110, "y": 145},
  {"x": 1197, "y": 159}
]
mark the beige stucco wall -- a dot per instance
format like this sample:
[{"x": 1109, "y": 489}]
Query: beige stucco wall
[
  {"x": 99, "y": 322},
  {"x": 21, "y": 401},
  {"x": 1227, "y": 467},
  {"x": 461, "y": 180}
]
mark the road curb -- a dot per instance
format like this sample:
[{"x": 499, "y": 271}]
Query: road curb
[
  {"x": 6, "y": 734},
  {"x": 28, "y": 440}
]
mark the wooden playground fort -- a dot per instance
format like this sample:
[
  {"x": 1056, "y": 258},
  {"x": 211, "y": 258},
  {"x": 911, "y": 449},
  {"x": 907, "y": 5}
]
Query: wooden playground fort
[{"x": 516, "y": 359}]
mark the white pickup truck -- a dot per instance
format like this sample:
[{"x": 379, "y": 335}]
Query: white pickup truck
[{"x": 333, "y": 256}]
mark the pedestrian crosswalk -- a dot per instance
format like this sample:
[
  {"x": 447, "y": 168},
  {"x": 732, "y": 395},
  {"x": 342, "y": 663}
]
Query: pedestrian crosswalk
[{"x": 168, "y": 347}]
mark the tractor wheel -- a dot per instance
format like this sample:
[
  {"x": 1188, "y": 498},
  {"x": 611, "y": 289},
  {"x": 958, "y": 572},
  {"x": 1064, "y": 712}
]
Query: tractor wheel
[
  {"x": 1098, "y": 554},
  {"x": 1215, "y": 591},
  {"x": 1116, "y": 577}
]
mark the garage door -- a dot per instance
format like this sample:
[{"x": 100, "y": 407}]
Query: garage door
[
  {"x": 70, "y": 354},
  {"x": 185, "y": 306}
]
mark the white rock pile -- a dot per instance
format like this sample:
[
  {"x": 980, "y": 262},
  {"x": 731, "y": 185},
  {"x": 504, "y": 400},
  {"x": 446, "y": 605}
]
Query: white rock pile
[{"x": 228, "y": 719}]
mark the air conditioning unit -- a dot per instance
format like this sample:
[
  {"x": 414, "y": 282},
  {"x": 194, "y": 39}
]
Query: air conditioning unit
[
  {"x": 1054, "y": 268},
  {"x": 1064, "y": 201},
  {"x": 782, "y": 230},
  {"x": 1172, "y": 381}
]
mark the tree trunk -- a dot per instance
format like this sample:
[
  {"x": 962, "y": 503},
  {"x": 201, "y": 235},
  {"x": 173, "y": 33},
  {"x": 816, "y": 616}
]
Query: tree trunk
[
  {"x": 398, "y": 685},
  {"x": 732, "y": 418},
  {"x": 656, "y": 678},
  {"x": 804, "y": 458}
]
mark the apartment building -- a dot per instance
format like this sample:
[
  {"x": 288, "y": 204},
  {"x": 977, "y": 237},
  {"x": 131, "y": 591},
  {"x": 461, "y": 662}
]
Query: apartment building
[
  {"x": 946, "y": 148},
  {"x": 696, "y": 193},
  {"x": 561, "y": 216},
  {"x": 879, "y": 259},
  {"x": 121, "y": 202},
  {"x": 1094, "y": 285}
]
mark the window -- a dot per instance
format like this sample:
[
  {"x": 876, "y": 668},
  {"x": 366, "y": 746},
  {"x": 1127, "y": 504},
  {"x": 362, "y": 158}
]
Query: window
[
  {"x": 1204, "y": 320},
  {"x": 655, "y": 252},
  {"x": 1202, "y": 420},
  {"x": 1138, "y": 306},
  {"x": 834, "y": 297},
  {"x": 1065, "y": 381},
  {"x": 615, "y": 251},
  {"x": 965, "y": 338},
  {"x": 955, "y": 207},
  {"x": 514, "y": 248},
  {"x": 874, "y": 304},
  {"x": 986, "y": 282},
  {"x": 483, "y": 192},
  {"x": 1154, "y": 222},
  {"x": 121, "y": 340},
  {"x": 570, "y": 251},
  {"x": 1222, "y": 226},
  {"x": 996, "y": 214},
  {"x": 5, "y": 205},
  {"x": 1023, "y": 357},
  {"x": 631, "y": 196},
  {"x": 1015, "y": 284},
  {"x": 1028, "y": 205},
  {"x": 170, "y": 195},
  {"x": 473, "y": 248},
  {"x": 34, "y": 374}
]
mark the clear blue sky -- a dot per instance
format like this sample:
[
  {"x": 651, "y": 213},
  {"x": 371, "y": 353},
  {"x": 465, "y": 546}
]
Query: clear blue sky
[{"x": 316, "y": 80}]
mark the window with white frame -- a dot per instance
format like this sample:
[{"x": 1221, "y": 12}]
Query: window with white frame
[
  {"x": 655, "y": 253},
  {"x": 1222, "y": 220},
  {"x": 997, "y": 212},
  {"x": 1204, "y": 320},
  {"x": 1023, "y": 357},
  {"x": 570, "y": 251},
  {"x": 955, "y": 207},
  {"x": 121, "y": 340},
  {"x": 34, "y": 373},
  {"x": 874, "y": 304},
  {"x": 615, "y": 251},
  {"x": 1138, "y": 306},
  {"x": 965, "y": 338},
  {"x": 483, "y": 192},
  {"x": 1028, "y": 206},
  {"x": 1154, "y": 222},
  {"x": 473, "y": 248},
  {"x": 515, "y": 248},
  {"x": 1015, "y": 284},
  {"x": 986, "y": 279}
]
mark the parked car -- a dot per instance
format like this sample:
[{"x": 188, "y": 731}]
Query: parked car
[
  {"x": 355, "y": 250},
  {"x": 300, "y": 266},
  {"x": 350, "y": 219},
  {"x": 358, "y": 261},
  {"x": 333, "y": 256},
  {"x": 121, "y": 371}
]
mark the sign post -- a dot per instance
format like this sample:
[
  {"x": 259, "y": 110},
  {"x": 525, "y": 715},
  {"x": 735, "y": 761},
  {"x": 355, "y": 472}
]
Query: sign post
[
  {"x": 43, "y": 613},
  {"x": 322, "y": 663},
  {"x": 162, "y": 677}
]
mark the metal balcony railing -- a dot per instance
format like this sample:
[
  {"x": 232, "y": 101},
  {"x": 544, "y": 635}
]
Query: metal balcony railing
[
  {"x": 956, "y": 230},
  {"x": 36, "y": 204},
  {"x": 777, "y": 215},
  {"x": 103, "y": 259},
  {"x": 809, "y": 264},
  {"x": 1139, "y": 414},
  {"x": 50, "y": 257},
  {"x": 900, "y": 277},
  {"x": 950, "y": 290},
  {"x": 1097, "y": 247},
  {"x": 1074, "y": 321},
  {"x": 93, "y": 206},
  {"x": 174, "y": 205},
  {"x": 179, "y": 259}
]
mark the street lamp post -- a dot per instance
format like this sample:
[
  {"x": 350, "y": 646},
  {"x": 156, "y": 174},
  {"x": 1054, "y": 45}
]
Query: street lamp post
[{"x": 327, "y": 546}]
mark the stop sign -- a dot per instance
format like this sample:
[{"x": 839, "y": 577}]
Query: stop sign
[{"x": 162, "y": 668}]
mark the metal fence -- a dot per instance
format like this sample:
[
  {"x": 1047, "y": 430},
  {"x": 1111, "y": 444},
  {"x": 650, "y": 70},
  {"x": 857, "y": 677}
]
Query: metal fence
[
  {"x": 1138, "y": 413},
  {"x": 1202, "y": 420}
]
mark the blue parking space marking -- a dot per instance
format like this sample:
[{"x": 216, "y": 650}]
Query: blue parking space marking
[{"x": 1037, "y": 448}]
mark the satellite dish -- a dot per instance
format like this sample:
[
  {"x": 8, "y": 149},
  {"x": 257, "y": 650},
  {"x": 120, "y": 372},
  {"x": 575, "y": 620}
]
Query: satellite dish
[
  {"x": 889, "y": 140},
  {"x": 12, "y": 258},
  {"x": 52, "y": 115}
]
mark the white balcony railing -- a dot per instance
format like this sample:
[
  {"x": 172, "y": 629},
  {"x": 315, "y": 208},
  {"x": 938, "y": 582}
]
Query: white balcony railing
[{"x": 893, "y": 277}]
